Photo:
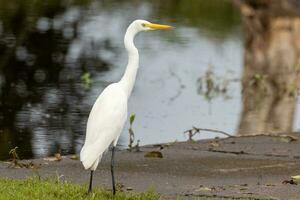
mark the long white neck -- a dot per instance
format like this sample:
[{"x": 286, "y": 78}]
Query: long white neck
[{"x": 129, "y": 76}]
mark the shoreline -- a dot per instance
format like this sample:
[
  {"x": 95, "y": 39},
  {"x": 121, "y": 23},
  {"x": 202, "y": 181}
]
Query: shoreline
[{"x": 230, "y": 167}]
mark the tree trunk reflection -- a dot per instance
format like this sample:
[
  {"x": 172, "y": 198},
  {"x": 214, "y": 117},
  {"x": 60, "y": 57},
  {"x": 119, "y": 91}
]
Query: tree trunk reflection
[{"x": 271, "y": 67}]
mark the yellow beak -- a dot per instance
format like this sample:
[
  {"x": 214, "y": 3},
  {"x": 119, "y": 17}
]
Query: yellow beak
[{"x": 158, "y": 26}]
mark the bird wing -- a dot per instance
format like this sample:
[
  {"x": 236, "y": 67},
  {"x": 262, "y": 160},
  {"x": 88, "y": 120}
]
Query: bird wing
[{"x": 105, "y": 123}]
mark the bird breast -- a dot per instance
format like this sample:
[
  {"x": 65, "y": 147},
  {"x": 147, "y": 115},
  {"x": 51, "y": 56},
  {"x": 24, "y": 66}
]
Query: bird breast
[
  {"x": 105, "y": 123},
  {"x": 108, "y": 114}
]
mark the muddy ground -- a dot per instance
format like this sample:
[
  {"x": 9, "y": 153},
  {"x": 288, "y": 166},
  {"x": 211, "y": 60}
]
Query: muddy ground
[{"x": 231, "y": 168}]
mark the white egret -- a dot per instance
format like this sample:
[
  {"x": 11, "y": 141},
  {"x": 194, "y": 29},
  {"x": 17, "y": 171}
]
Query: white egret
[{"x": 109, "y": 113}]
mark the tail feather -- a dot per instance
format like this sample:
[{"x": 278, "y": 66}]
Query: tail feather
[{"x": 90, "y": 156}]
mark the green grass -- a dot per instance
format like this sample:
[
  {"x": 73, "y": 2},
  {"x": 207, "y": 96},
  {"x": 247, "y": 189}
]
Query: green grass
[{"x": 52, "y": 189}]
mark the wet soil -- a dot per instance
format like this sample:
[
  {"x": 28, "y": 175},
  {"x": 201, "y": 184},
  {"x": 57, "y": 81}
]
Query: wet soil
[{"x": 235, "y": 167}]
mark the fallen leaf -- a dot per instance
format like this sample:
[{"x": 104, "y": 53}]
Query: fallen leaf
[
  {"x": 153, "y": 154},
  {"x": 29, "y": 165},
  {"x": 203, "y": 189},
  {"x": 270, "y": 185},
  {"x": 32, "y": 165},
  {"x": 285, "y": 138},
  {"x": 51, "y": 159},
  {"x": 58, "y": 156},
  {"x": 214, "y": 144},
  {"x": 297, "y": 177},
  {"x": 74, "y": 157}
]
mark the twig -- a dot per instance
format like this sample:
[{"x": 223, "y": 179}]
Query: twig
[
  {"x": 15, "y": 161},
  {"x": 248, "y": 153},
  {"x": 195, "y": 130},
  {"x": 131, "y": 138},
  {"x": 137, "y": 146},
  {"x": 224, "y": 196},
  {"x": 231, "y": 152},
  {"x": 15, "y": 157},
  {"x": 212, "y": 130}
]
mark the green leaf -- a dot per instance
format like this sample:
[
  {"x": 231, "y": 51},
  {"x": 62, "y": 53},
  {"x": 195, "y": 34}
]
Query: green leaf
[
  {"x": 132, "y": 117},
  {"x": 86, "y": 79},
  {"x": 153, "y": 154}
]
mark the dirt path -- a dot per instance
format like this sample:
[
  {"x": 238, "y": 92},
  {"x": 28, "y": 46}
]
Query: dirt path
[{"x": 226, "y": 168}]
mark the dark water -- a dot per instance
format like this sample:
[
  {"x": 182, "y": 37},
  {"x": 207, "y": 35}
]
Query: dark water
[{"x": 56, "y": 57}]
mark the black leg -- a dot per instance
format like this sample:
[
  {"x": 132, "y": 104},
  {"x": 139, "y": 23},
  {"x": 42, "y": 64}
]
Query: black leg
[
  {"x": 112, "y": 170},
  {"x": 91, "y": 181}
]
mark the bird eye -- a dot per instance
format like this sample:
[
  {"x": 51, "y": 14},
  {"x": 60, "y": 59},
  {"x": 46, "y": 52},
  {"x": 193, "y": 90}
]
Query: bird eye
[{"x": 143, "y": 24}]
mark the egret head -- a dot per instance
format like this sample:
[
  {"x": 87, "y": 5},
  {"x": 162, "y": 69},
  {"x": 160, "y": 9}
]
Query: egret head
[{"x": 143, "y": 25}]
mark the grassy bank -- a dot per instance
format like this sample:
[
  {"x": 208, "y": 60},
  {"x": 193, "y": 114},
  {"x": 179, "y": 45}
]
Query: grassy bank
[{"x": 52, "y": 189}]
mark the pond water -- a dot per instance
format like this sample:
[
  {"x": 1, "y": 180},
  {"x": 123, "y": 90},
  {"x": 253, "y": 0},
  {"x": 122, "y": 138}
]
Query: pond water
[{"x": 57, "y": 57}]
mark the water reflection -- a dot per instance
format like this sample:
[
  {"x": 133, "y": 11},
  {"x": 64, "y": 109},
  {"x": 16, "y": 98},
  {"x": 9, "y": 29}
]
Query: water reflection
[
  {"x": 40, "y": 91},
  {"x": 271, "y": 72},
  {"x": 47, "y": 46},
  {"x": 216, "y": 19}
]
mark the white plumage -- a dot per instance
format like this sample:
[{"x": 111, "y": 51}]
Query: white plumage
[
  {"x": 105, "y": 124},
  {"x": 109, "y": 113}
]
